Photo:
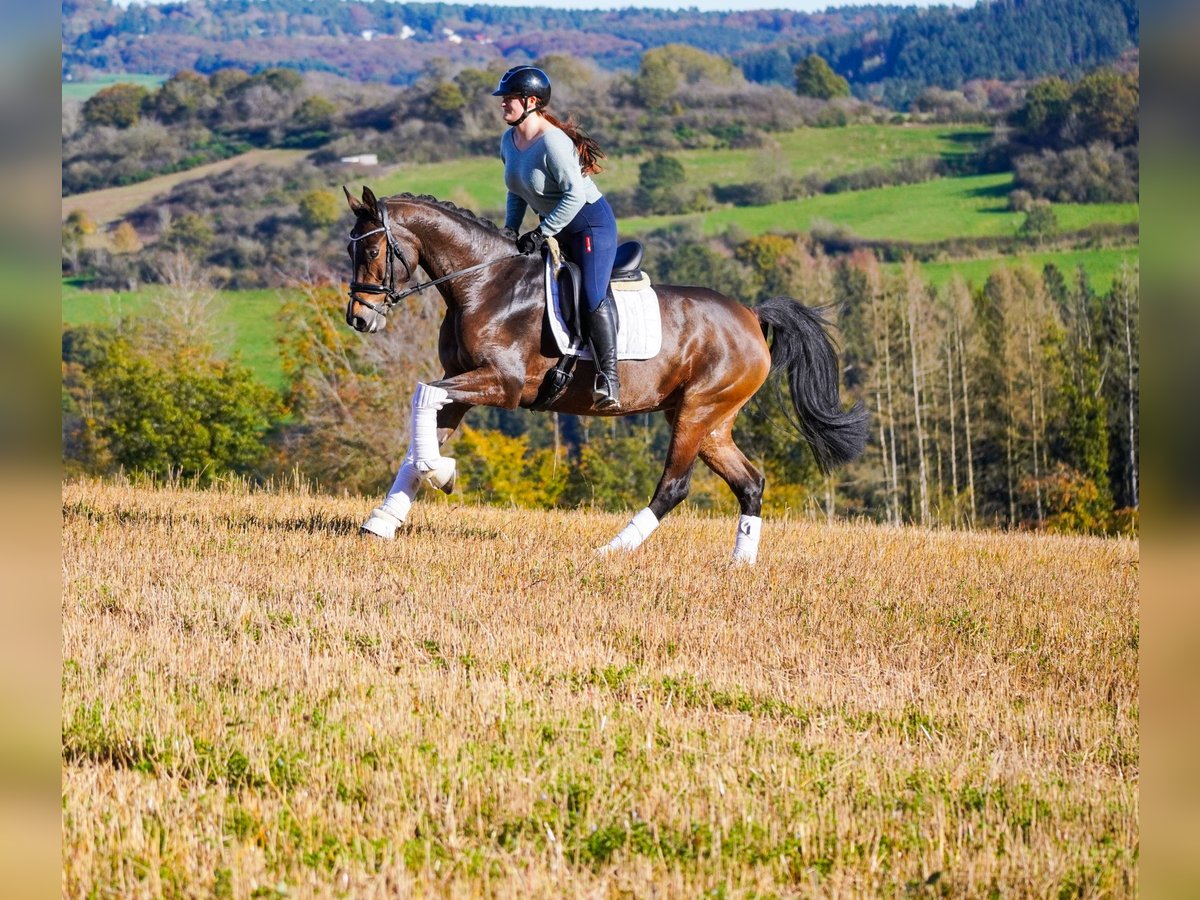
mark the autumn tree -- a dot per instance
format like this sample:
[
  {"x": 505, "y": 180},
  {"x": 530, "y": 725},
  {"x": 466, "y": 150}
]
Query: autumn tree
[{"x": 118, "y": 105}]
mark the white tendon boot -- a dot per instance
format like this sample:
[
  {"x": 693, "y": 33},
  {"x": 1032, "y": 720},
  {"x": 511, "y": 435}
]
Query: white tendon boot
[
  {"x": 390, "y": 515},
  {"x": 639, "y": 528},
  {"x": 434, "y": 468},
  {"x": 745, "y": 549}
]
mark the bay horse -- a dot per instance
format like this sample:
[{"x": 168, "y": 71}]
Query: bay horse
[{"x": 494, "y": 351}]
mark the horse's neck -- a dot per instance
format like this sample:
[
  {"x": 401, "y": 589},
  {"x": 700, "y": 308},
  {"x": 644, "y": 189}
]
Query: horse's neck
[{"x": 450, "y": 243}]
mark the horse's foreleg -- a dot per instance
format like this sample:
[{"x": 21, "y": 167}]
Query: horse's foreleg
[
  {"x": 433, "y": 421},
  {"x": 672, "y": 488},
  {"x": 722, "y": 455}
]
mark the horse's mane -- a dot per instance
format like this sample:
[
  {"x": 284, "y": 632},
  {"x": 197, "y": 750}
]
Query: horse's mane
[{"x": 467, "y": 214}]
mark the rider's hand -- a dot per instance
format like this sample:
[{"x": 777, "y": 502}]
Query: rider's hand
[{"x": 531, "y": 241}]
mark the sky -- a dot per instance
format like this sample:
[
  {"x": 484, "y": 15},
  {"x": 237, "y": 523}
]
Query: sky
[{"x": 703, "y": 5}]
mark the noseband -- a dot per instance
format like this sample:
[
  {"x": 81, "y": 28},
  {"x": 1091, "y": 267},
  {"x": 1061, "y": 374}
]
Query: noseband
[{"x": 388, "y": 290}]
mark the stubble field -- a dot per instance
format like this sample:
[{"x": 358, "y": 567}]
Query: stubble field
[{"x": 258, "y": 703}]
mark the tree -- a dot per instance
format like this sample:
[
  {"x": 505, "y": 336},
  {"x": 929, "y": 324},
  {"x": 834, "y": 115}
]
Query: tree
[
  {"x": 125, "y": 238},
  {"x": 315, "y": 112},
  {"x": 659, "y": 178},
  {"x": 447, "y": 102},
  {"x": 496, "y": 468},
  {"x": 118, "y": 106},
  {"x": 179, "y": 410},
  {"x": 75, "y": 228},
  {"x": 1106, "y": 105},
  {"x": 1040, "y": 223},
  {"x": 814, "y": 78},
  {"x": 180, "y": 97},
  {"x": 1044, "y": 113},
  {"x": 191, "y": 233},
  {"x": 665, "y": 69},
  {"x": 319, "y": 210}
]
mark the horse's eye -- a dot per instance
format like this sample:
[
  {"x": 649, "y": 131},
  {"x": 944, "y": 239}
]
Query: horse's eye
[{"x": 374, "y": 254}]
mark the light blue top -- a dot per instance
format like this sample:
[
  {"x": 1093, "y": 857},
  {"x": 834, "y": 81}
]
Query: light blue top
[{"x": 547, "y": 177}]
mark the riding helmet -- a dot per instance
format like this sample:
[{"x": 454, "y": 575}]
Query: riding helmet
[{"x": 524, "y": 81}]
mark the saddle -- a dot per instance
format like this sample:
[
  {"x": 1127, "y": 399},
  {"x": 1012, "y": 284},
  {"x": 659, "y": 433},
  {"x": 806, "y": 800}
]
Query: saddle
[{"x": 639, "y": 333}]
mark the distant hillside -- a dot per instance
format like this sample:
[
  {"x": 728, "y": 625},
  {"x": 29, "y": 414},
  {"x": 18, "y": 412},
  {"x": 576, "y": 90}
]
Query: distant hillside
[
  {"x": 394, "y": 42},
  {"x": 888, "y": 53},
  {"x": 997, "y": 39}
]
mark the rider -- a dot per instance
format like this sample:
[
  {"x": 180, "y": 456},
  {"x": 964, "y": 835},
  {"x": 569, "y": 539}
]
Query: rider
[{"x": 548, "y": 166}]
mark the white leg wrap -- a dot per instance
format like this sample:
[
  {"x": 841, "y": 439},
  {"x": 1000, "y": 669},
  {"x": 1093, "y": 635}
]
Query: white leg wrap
[
  {"x": 745, "y": 549},
  {"x": 435, "y": 468},
  {"x": 631, "y": 537},
  {"x": 390, "y": 515}
]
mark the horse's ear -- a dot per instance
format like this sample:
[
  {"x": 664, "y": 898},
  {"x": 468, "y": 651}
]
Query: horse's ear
[
  {"x": 356, "y": 206},
  {"x": 368, "y": 197}
]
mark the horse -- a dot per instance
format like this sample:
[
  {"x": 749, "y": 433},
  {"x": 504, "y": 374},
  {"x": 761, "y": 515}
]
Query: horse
[{"x": 495, "y": 352}]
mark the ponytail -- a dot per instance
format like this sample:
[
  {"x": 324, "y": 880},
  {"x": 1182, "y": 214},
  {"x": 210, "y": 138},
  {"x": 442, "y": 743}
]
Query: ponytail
[{"x": 589, "y": 151}]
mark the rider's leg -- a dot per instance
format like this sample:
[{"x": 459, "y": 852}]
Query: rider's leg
[
  {"x": 603, "y": 336},
  {"x": 591, "y": 241}
]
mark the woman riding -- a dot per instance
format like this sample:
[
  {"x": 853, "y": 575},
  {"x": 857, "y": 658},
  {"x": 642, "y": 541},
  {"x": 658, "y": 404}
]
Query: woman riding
[{"x": 548, "y": 166}]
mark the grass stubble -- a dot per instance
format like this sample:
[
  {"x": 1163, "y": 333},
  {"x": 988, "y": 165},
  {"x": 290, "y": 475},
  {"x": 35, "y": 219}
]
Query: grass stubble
[{"x": 257, "y": 703}]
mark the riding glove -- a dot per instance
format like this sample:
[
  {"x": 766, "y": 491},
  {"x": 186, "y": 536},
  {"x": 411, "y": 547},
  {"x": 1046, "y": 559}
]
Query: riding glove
[{"x": 531, "y": 241}]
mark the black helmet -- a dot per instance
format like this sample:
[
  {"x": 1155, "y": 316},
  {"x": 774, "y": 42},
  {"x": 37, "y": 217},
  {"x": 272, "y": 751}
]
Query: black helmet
[{"x": 524, "y": 81}]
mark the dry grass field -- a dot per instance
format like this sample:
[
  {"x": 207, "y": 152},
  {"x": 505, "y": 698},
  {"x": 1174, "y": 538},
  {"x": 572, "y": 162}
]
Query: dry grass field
[{"x": 258, "y": 703}]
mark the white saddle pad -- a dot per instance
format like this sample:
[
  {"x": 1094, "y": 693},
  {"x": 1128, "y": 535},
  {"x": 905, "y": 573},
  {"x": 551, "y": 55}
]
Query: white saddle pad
[{"x": 639, "y": 323}]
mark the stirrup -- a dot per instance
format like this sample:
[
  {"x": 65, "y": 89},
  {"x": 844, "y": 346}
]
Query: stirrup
[{"x": 603, "y": 395}]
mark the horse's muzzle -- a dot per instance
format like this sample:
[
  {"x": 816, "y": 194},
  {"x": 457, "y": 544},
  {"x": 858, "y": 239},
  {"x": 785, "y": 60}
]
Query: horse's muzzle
[{"x": 362, "y": 318}]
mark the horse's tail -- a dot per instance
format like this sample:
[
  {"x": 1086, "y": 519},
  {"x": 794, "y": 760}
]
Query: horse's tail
[{"x": 801, "y": 346}]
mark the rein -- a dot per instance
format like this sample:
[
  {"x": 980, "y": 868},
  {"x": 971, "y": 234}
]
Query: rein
[{"x": 394, "y": 252}]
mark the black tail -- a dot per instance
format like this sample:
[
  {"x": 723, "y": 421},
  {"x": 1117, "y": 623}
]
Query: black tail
[{"x": 801, "y": 347}]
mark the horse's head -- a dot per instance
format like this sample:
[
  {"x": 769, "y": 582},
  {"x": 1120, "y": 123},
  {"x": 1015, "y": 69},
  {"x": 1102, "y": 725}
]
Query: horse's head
[{"x": 375, "y": 249}]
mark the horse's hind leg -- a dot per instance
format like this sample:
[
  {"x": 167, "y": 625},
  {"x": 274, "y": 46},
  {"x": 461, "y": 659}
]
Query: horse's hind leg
[
  {"x": 390, "y": 515},
  {"x": 722, "y": 455}
]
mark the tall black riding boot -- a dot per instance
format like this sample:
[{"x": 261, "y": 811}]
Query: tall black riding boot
[{"x": 603, "y": 334}]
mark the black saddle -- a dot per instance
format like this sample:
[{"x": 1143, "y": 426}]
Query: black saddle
[{"x": 628, "y": 264}]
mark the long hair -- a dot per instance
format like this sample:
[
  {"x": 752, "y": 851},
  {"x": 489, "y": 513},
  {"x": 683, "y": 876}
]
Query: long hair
[{"x": 589, "y": 151}]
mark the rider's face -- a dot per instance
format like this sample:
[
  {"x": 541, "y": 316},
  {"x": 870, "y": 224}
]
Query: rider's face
[{"x": 513, "y": 107}]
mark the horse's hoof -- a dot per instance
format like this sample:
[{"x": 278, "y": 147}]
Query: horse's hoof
[
  {"x": 440, "y": 473},
  {"x": 381, "y": 524}
]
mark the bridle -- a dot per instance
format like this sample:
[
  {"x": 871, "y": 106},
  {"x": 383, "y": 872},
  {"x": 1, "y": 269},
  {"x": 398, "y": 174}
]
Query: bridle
[{"x": 393, "y": 253}]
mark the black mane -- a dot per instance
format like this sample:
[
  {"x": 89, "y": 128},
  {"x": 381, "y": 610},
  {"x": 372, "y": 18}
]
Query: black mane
[{"x": 451, "y": 207}]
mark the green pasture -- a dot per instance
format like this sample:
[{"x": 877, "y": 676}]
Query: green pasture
[
  {"x": 945, "y": 208},
  {"x": 1100, "y": 265},
  {"x": 246, "y": 322},
  {"x": 81, "y": 90},
  {"x": 477, "y": 183}
]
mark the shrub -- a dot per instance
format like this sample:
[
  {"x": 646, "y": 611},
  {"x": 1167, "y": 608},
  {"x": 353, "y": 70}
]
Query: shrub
[
  {"x": 1020, "y": 200},
  {"x": 173, "y": 409},
  {"x": 1098, "y": 173}
]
